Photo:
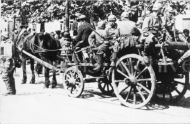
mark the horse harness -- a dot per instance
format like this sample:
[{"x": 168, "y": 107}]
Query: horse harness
[{"x": 32, "y": 46}]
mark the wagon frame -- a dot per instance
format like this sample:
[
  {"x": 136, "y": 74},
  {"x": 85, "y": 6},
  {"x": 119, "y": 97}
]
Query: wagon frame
[{"x": 133, "y": 81}]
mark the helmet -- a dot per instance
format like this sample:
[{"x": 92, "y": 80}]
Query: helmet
[
  {"x": 112, "y": 18},
  {"x": 77, "y": 14},
  {"x": 157, "y": 6},
  {"x": 101, "y": 25},
  {"x": 160, "y": 1},
  {"x": 81, "y": 17},
  {"x": 125, "y": 15},
  {"x": 172, "y": 11}
]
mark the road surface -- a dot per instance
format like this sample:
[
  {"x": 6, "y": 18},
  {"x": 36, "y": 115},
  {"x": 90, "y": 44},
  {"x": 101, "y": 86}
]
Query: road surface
[{"x": 35, "y": 105}]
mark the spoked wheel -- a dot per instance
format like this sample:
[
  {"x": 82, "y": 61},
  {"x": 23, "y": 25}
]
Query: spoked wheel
[
  {"x": 105, "y": 86},
  {"x": 73, "y": 82},
  {"x": 172, "y": 92},
  {"x": 133, "y": 81}
]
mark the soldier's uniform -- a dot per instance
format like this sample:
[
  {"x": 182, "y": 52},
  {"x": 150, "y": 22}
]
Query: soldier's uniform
[
  {"x": 111, "y": 32},
  {"x": 84, "y": 30},
  {"x": 7, "y": 67},
  {"x": 169, "y": 22},
  {"x": 96, "y": 38},
  {"x": 129, "y": 31},
  {"x": 151, "y": 28}
]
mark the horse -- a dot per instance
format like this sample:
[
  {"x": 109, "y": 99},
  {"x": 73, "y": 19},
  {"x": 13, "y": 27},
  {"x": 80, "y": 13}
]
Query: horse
[{"x": 41, "y": 45}]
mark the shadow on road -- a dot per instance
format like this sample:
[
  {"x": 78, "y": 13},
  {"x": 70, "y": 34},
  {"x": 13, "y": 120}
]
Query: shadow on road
[
  {"x": 112, "y": 98},
  {"x": 92, "y": 93},
  {"x": 185, "y": 103},
  {"x": 40, "y": 82},
  {"x": 156, "y": 106},
  {"x": 60, "y": 86},
  {"x": 28, "y": 93}
]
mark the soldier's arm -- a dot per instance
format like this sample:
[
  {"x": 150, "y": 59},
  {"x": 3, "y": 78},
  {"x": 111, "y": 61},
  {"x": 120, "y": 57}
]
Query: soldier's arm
[
  {"x": 146, "y": 24},
  {"x": 92, "y": 39},
  {"x": 136, "y": 32},
  {"x": 182, "y": 38},
  {"x": 79, "y": 36}
]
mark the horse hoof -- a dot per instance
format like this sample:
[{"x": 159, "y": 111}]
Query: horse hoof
[
  {"x": 46, "y": 86},
  {"x": 32, "y": 82},
  {"x": 53, "y": 86},
  {"x": 23, "y": 82}
]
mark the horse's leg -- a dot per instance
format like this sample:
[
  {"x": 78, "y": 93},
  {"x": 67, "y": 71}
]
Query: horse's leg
[
  {"x": 47, "y": 82},
  {"x": 39, "y": 68},
  {"x": 24, "y": 79},
  {"x": 32, "y": 69},
  {"x": 54, "y": 81}
]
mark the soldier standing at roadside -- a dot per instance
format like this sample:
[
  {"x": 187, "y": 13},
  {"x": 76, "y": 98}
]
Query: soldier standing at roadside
[{"x": 7, "y": 67}]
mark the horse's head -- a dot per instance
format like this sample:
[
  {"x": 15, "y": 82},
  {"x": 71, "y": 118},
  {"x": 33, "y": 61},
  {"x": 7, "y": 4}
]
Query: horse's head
[
  {"x": 46, "y": 41},
  {"x": 47, "y": 45}
]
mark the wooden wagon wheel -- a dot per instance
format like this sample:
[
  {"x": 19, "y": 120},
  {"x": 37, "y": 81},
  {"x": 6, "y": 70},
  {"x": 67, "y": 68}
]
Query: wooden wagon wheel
[
  {"x": 133, "y": 81},
  {"x": 73, "y": 81},
  {"x": 105, "y": 86},
  {"x": 173, "y": 91}
]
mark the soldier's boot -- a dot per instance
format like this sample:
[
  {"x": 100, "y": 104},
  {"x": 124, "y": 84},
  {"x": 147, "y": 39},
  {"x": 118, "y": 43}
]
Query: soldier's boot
[
  {"x": 146, "y": 60},
  {"x": 54, "y": 82},
  {"x": 99, "y": 64},
  {"x": 10, "y": 85},
  {"x": 113, "y": 59},
  {"x": 13, "y": 86}
]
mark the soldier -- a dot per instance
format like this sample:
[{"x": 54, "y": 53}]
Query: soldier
[
  {"x": 186, "y": 35},
  {"x": 112, "y": 32},
  {"x": 170, "y": 23},
  {"x": 151, "y": 28},
  {"x": 153, "y": 23},
  {"x": 96, "y": 40},
  {"x": 58, "y": 35},
  {"x": 131, "y": 26},
  {"x": 84, "y": 30},
  {"x": 129, "y": 32},
  {"x": 75, "y": 24},
  {"x": 8, "y": 67}
]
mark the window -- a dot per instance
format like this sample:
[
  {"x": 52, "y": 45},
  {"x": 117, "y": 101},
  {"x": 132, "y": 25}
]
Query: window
[{"x": 1, "y": 50}]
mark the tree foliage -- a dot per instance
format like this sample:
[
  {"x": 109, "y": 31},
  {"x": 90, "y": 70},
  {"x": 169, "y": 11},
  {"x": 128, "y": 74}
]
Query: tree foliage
[{"x": 42, "y": 10}]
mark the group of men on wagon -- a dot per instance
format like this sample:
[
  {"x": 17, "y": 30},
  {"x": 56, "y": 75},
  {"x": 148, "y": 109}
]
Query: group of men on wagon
[
  {"x": 151, "y": 30},
  {"x": 108, "y": 33}
]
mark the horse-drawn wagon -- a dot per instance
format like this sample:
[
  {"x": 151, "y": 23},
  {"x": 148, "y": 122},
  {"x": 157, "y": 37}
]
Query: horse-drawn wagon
[{"x": 134, "y": 81}]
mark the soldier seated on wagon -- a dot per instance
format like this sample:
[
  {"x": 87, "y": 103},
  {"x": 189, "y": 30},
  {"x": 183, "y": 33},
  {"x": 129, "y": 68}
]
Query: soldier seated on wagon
[
  {"x": 103, "y": 38},
  {"x": 84, "y": 30},
  {"x": 151, "y": 28},
  {"x": 122, "y": 35}
]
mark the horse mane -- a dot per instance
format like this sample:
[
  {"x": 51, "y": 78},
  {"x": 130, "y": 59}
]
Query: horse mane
[
  {"x": 17, "y": 40},
  {"x": 50, "y": 42}
]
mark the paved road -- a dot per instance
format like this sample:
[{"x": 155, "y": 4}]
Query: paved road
[{"x": 35, "y": 105}]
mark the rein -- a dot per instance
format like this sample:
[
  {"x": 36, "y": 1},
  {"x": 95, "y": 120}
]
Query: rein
[
  {"x": 32, "y": 45},
  {"x": 43, "y": 50}
]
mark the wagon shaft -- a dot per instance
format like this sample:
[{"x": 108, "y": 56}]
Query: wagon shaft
[{"x": 39, "y": 60}]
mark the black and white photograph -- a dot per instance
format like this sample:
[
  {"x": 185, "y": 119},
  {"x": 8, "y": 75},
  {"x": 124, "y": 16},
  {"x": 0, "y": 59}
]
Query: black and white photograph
[{"x": 94, "y": 61}]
